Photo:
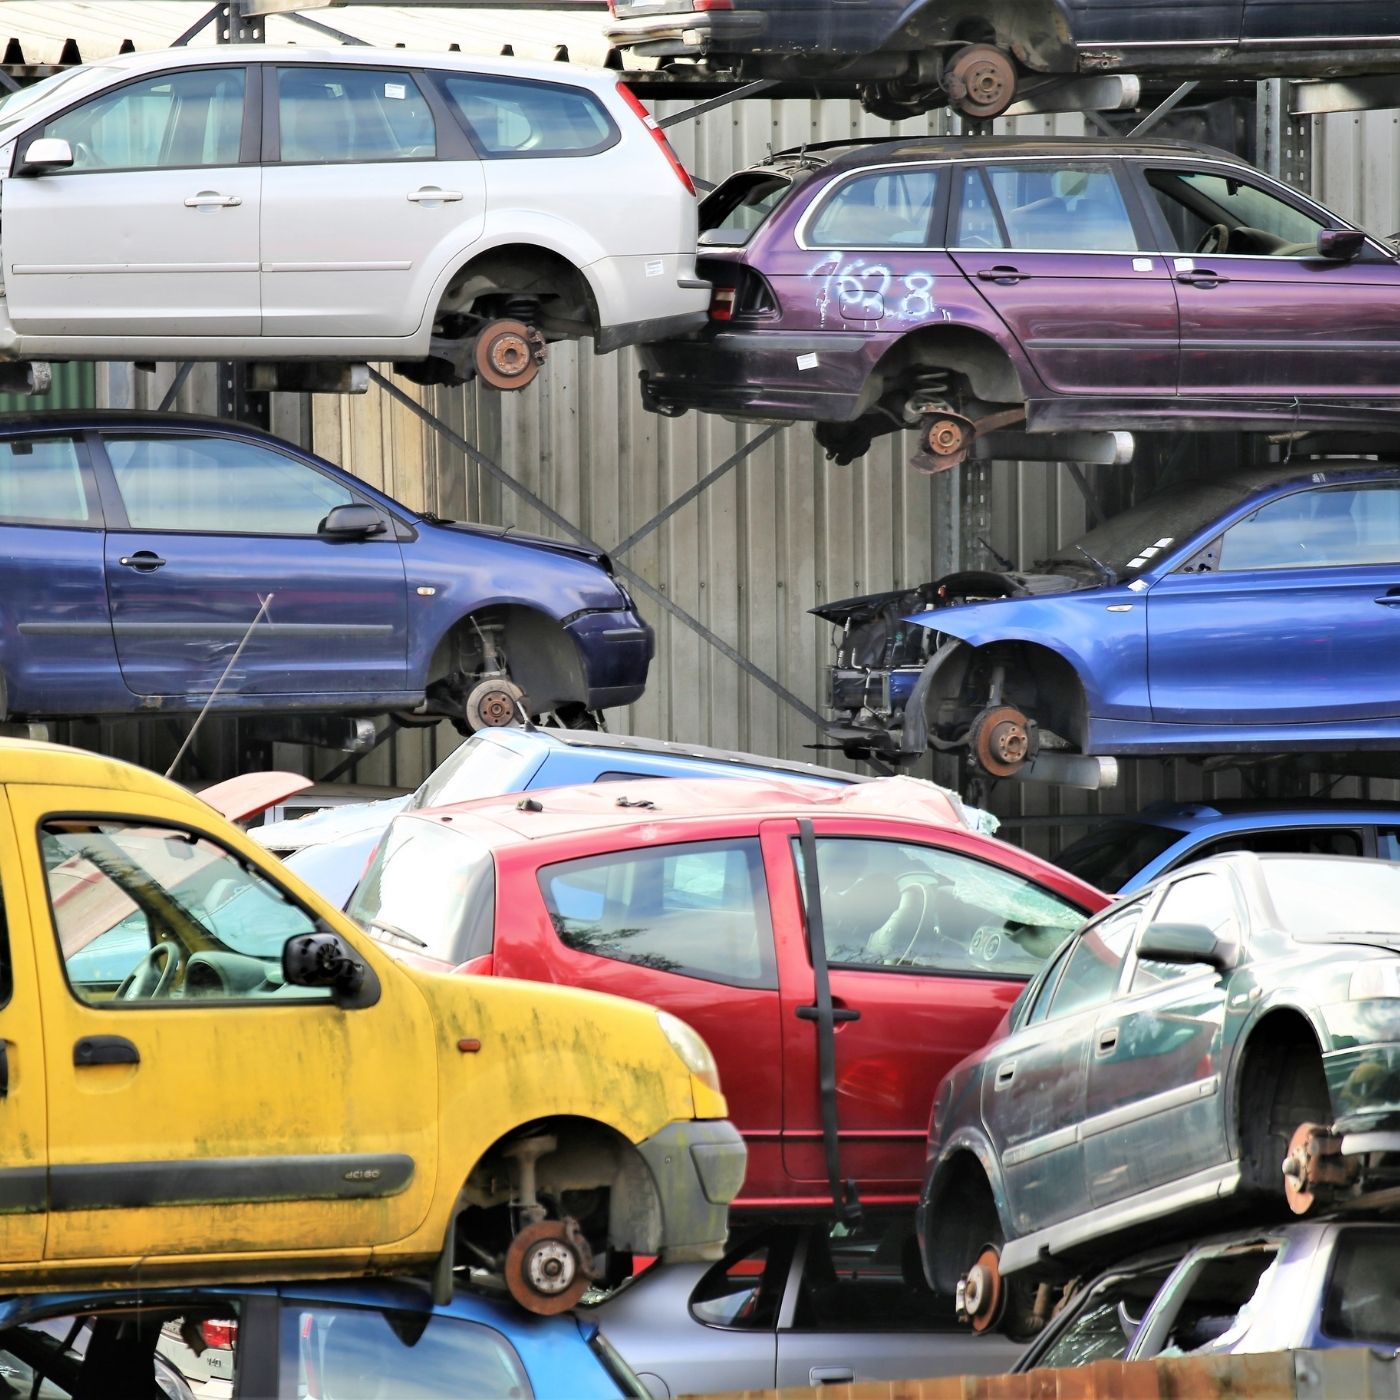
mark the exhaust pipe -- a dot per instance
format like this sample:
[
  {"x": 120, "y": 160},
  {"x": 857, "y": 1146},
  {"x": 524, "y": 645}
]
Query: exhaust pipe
[{"x": 1070, "y": 770}]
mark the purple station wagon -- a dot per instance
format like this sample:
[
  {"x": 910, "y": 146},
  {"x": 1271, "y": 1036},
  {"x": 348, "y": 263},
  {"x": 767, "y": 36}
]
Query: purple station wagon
[{"x": 957, "y": 286}]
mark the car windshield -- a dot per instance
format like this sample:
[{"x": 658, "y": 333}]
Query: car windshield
[
  {"x": 733, "y": 212},
  {"x": 482, "y": 767},
  {"x": 1131, "y": 541},
  {"x": 429, "y": 890},
  {"x": 1111, "y": 855},
  {"x": 1318, "y": 898}
]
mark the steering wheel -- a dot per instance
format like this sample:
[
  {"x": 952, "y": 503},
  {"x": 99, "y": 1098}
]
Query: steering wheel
[
  {"x": 153, "y": 975},
  {"x": 1216, "y": 239},
  {"x": 895, "y": 940}
]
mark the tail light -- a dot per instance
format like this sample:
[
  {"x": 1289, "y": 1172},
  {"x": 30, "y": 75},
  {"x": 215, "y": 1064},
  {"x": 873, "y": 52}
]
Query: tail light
[
  {"x": 484, "y": 966},
  {"x": 659, "y": 136},
  {"x": 220, "y": 1333},
  {"x": 749, "y": 296},
  {"x": 722, "y": 303},
  {"x": 712, "y": 4}
]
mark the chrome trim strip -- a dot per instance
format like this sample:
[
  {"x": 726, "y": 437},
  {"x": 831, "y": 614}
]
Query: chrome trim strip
[
  {"x": 396, "y": 265},
  {"x": 1041, "y": 1146},
  {"x": 237, "y": 629},
  {"x": 65, "y": 269},
  {"x": 1145, "y": 1108}
]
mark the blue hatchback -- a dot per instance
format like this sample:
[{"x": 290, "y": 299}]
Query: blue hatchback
[
  {"x": 140, "y": 551},
  {"x": 1251, "y": 613},
  {"x": 363, "y": 1340}
]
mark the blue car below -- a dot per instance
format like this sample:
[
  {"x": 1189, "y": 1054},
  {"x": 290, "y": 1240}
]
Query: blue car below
[
  {"x": 1257, "y": 612},
  {"x": 372, "y": 1340},
  {"x": 139, "y": 550}
]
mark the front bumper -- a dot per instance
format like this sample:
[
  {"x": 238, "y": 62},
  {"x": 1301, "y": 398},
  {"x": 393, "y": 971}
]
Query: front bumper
[
  {"x": 698, "y": 1167},
  {"x": 617, "y": 648},
  {"x": 810, "y": 377},
  {"x": 884, "y": 692}
]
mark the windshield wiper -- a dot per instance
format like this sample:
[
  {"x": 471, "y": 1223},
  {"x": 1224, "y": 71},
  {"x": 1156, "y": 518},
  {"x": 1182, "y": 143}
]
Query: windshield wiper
[
  {"x": 1109, "y": 577},
  {"x": 395, "y": 931}
]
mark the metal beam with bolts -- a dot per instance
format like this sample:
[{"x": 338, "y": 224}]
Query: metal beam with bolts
[{"x": 1313, "y": 99}]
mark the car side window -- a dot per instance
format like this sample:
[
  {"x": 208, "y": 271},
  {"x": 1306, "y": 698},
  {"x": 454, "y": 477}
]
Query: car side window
[
  {"x": 171, "y": 121},
  {"x": 1105, "y": 1321},
  {"x": 510, "y": 117},
  {"x": 1046, "y": 206},
  {"x": 744, "y": 1291},
  {"x": 851, "y": 1285},
  {"x": 219, "y": 486},
  {"x": 699, "y": 909},
  {"x": 42, "y": 483},
  {"x": 160, "y": 915},
  {"x": 1207, "y": 899},
  {"x": 330, "y": 115},
  {"x": 1216, "y": 1302},
  {"x": 1360, "y": 1293},
  {"x": 898, "y": 904},
  {"x": 1256, "y": 222},
  {"x": 411, "y": 1354},
  {"x": 1289, "y": 841},
  {"x": 1332, "y": 527},
  {"x": 882, "y": 209},
  {"x": 1095, "y": 963}
]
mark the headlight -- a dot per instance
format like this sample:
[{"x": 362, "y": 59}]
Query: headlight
[{"x": 691, "y": 1048}]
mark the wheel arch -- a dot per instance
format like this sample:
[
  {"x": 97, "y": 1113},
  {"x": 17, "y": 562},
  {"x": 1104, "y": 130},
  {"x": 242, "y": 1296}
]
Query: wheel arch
[
  {"x": 532, "y": 266},
  {"x": 1037, "y": 32},
  {"x": 976, "y": 354},
  {"x": 965, "y": 1184},
  {"x": 1274, "y": 1030}
]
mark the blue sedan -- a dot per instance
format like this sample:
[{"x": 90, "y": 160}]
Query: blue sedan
[
  {"x": 371, "y": 1340},
  {"x": 1257, "y": 612}
]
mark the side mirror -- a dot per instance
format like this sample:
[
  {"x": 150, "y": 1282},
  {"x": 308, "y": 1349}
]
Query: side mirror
[
  {"x": 325, "y": 960},
  {"x": 1340, "y": 244},
  {"x": 1185, "y": 943},
  {"x": 356, "y": 522},
  {"x": 44, "y": 155}
]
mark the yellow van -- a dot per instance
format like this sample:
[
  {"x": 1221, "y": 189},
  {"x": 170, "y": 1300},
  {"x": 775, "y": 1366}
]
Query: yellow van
[{"x": 206, "y": 1071}]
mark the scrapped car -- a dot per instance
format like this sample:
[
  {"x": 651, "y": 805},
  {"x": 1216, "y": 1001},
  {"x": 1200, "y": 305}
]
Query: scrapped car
[
  {"x": 172, "y": 206},
  {"x": 149, "y": 560},
  {"x": 330, "y": 849},
  {"x": 332, "y": 1340},
  {"x": 368, "y": 1118},
  {"x": 1300, "y": 1286},
  {"x": 1237, "y": 1014},
  {"x": 910, "y": 56},
  {"x": 1249, "y": 613},
  {"x": 1122, "y": 853},
  {"x": 690, "y": 894},
  {"x": 956, "y": 286},
  {"x": 790, "y": 1305}
]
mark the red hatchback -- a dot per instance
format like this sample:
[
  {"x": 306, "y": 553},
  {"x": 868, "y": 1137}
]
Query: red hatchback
[{"x": 691, "y": 895}]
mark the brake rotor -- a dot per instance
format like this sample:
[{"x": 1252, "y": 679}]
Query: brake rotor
[
  {"x": 509, "y": 354},
  {"x": 548, "y": 1267},
  {"x": 1002, "y": 741},
  {"x": 980, "y": 81},
  {"x": 944, "y": 440},
  {"x": 1314, "y": 1169},
  {"x": 494, "y": 703},
  {"x": 981, "y": 1292}
]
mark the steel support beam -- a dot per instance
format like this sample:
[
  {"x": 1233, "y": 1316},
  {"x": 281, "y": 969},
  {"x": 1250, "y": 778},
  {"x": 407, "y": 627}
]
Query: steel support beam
[
  {"x": 1314, "y": 99},
  {"x": 1166, "y": 105},
  {"x": 723, "y": 100},
  {"x": 1111, "y": 449}
]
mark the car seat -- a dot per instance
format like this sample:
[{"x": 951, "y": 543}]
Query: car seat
[
  {"x": 1075, "y": 215},
  {"x": 316, "y": 123}
]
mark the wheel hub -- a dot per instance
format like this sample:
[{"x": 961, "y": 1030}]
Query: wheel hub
[
  {"x": 1314, "y": 1169},
  {"x": 494, "y": 703},
  {"x": 980, "y": 1292},
  {"x": 509, "y": 354},
  {"x": 981, "y": 81},
  {"x": 548, "y": 1266},
  {"x": 1002, "y": 741}
]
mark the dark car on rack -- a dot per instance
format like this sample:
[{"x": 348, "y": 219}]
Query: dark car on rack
[
  {"x": 955, "y": 286},
  {"x": 909, "y": 56},
  {"x": 1248, "y": 613},
  {"x": 145, "y": 555}
]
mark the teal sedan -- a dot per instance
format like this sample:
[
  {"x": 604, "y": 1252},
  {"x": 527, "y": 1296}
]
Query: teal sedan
[{"x": 1227, "y": 1036}]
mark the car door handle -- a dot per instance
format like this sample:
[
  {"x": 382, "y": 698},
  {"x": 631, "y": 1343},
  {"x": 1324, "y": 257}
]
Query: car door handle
[
  {"x": 1390, "y": 600},
  {"x": 839, "y": 1013},
  {"x": 212, "y": 199},
  {"x": 1005, "y": 1074},
  {"x": 105, "y": 1050},
  {"x": 1201, "y": 277},
  {"x": 831, "y": 1375},
  {"x": 144, "y": 561},
  {"x": 1107, "y": 1041},
  {"x": 431, "y": 194},
  {"x": 1006, "y": 276}
]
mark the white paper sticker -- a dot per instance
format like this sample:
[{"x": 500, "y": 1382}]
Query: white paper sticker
[
  {"x": 655, "y": 267},
  {"x": 1138, "y": 562},
  {"x": 1184, "y": 264},
  {"x": 1137, "y": 585},
  {"x": 395, "y": 90},
  {"x": 807, "y": 361},
  {"x": 1142, "y": 264}
]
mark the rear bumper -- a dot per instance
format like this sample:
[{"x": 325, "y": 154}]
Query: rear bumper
[
  {"x": 813, "y": 377},
  {"x": 657, "y": 328},
  {"x": 698, "y": 1168}
]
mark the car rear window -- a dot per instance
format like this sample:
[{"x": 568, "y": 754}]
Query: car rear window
[
  {"x": 507, "y": 117},
  {"x": 879, "y": 209},
  {"x": 482, "y": 767},
  {"x": 731, "y": 214},
  {"x": 431, "y": 890}
]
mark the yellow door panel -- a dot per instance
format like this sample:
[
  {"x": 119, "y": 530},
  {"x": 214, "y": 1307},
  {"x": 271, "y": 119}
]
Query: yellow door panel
[{"x": 197, "y": 1104}]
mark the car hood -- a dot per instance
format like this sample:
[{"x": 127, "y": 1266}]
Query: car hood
[
  {"x": 1033, "y": 588},
  {"x": 509, "y": 532},
  {"x": 867, "y": 606}
]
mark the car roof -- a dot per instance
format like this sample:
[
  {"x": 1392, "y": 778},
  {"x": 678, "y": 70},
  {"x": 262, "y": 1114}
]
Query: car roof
[
  {"x": 1191, "y": 816},
  {"x": 101, "y": 419},
  {"x": 551, "y": 812},
  {"x": 30, "y": 761},
  {"x": 852, "y": 152}
]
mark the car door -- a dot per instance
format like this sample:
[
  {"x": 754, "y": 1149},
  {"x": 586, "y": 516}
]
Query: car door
[
  {"x": 1295, "y": 22},
  {"x": 684, "y": 926},
  {"x": 1128, "y": 24},
  {"x": 1033, "y": 1081},
  {"x": 1298, "y": 622},
  {"x": 1266, "y": 314},
  {"x": 153, "y": 230},
  {"x": 57, "y": 655},
  {"x": 927, "y": 944},
  {"x": 1155, "y": 1105},
  {"x": 201, "y": 1106},
  {"x": 212, "y": 527},
  {"x": 369, "y": 188},
  {"x": 1061, "y": 252}
]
